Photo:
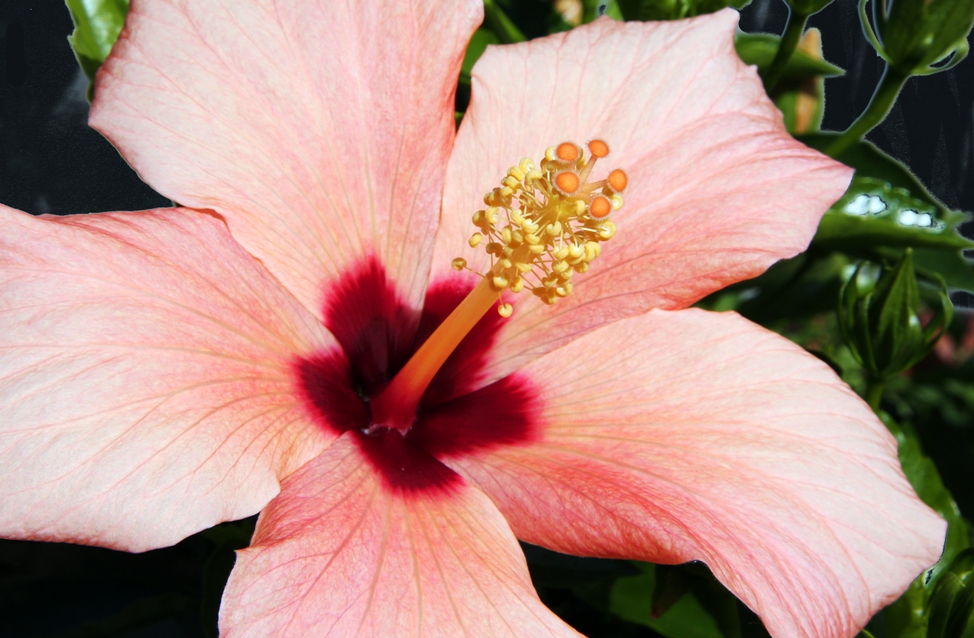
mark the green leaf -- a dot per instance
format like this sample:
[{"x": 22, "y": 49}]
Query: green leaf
[
  {"x": 874, "y": 213},
  {"x": 760, "y": 49},
  {"x": 957, "y": 270},
  {"x": 503, "y": 27},
  {"x": 907, "y": 617},
  {"x": 478, "y": 44},
  {"x": 673, "y": 9},
  {"x": 97, "y": 24},
  {"x": 631, "y": 598}
]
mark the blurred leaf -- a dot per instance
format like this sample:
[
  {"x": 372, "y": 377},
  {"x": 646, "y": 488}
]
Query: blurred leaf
[
  {"x": 478, "y": 44},
  {"x": 951, "y": 613},
  {"x": 631, "y": 599},
  {"x": 97, "y": 24},
  {"x": 646, "y": 10},
  {"x": 957, "y": 270},
  {"x": 760, "y": 49},
  {"x": 503, "y": 27},
  {"x": 553, "y": 569},
  {"x": 907, "y": 617}
]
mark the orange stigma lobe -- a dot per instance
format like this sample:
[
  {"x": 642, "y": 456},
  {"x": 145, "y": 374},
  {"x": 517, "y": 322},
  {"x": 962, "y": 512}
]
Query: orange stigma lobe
[
  {"x": 598, "y": 148},
  {"x": 600, "y": 207},
  {"x": 567, "y": 152},
  {"x": 617, "y": 180},
  {"x": 568, "y": 182}
]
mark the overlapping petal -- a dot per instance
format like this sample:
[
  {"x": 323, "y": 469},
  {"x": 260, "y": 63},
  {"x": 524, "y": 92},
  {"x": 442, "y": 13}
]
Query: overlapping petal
[
  {"x": 319, "y": 130},
  {"x": 339, "y": 553},
  {"x": 717, "y": 192},
  {"x": 146, "y": 389},
  {"x": 687, "y": 435}
]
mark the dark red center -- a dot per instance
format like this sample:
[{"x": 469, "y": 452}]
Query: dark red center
[{"x": 378, "y": 333}]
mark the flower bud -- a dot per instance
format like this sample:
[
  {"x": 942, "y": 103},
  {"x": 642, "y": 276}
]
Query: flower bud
[
  {"x": 881, "y": 325},
  {"x": 913, "y": 34}
]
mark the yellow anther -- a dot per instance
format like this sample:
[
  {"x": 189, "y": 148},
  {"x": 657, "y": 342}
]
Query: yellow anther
[
  {"x": 506, "y": 234},
  {"x": 459, "y": 263},
  {"x": 505, "y": 310},
  {"x": 547, "y": 221}
]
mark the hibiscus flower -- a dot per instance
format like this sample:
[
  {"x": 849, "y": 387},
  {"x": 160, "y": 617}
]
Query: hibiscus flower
[{"x": 162, "y": 371}]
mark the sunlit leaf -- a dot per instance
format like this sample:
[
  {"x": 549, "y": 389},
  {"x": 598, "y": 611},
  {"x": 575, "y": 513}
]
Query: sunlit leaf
[
  {"x": 97, "y": 24},
  {"x": 760, "y": 49}
]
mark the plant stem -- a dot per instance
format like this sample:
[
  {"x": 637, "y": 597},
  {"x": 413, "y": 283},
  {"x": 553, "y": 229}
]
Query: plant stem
[
  {"x": 874, "y": 394},
  {"x": 786, "y": 48},
  {"x": 879, "y": 106}
]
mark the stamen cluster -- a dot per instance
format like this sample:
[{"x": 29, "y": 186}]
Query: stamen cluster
[{"x": 543, "y": 225}]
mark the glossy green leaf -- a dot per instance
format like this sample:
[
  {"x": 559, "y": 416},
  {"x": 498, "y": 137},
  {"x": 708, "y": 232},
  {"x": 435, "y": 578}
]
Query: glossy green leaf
[
  {"x": 674, "y": 9},
  {"x": 631, "y": 598},
  {"x": 594, "y": 9},
  {"x": 97, "y": 24},
  {"x": 874, "y": 213},
  {"x": 760, "y": 49}
]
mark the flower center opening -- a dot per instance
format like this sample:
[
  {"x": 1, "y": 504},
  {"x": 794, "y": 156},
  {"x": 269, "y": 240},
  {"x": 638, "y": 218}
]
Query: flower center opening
[{"x": 541, "y": 226}]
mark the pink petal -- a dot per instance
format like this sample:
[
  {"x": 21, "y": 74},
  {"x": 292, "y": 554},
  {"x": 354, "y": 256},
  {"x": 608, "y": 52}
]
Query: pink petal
[
  {"x": 718, "y": 190},
  {"x": 146, "y": 389},
  {"x": 339, "y": 553},
  {"x": 319, "y": 129},
  {"x": 689, "y": 435}
]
